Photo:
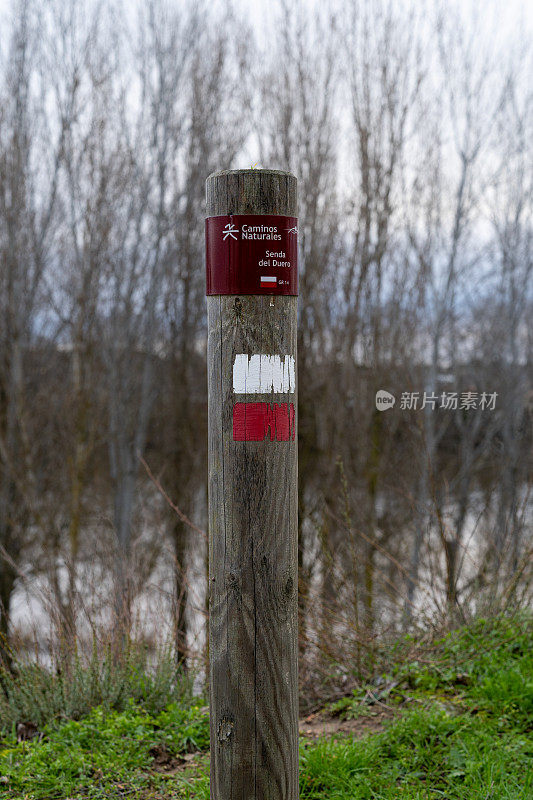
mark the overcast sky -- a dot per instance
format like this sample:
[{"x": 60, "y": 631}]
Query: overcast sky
[
  {"x": 508, "y": 13},
  {"x": 259, "y": 11},
  {"x": 500, "y": 20}
]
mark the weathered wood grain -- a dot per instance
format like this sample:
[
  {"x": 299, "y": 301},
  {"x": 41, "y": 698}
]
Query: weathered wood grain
[{"x": 252, "y": 533}]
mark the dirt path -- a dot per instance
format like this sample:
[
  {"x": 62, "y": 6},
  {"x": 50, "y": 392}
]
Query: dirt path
[
  {"x": 314, "y": 726},
  {"x": 323, "y": 724}
]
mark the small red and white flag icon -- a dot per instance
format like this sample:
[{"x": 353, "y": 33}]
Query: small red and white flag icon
[{"x": 268, "y": 282}]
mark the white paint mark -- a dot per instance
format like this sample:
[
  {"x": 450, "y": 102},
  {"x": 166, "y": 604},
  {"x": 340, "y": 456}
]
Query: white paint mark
[{"x": 263, "y": 374}]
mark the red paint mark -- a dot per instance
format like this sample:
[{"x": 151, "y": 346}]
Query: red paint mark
[{"x": 253, "y": 422}]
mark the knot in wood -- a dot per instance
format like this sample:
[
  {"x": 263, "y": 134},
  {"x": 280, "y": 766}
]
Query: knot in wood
[
  {"x": 225, "y": 729},
  {"x": 238, "y": 308}
]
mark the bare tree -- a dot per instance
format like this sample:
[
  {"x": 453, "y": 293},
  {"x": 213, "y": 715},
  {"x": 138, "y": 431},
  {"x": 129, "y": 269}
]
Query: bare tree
[
  {"x": 511, "y": 210},
  {"x": 299, "y": 86},
  {"x": 445, "y": 197},
  {"x": 208, "y": 100},
  {"x": 30, "y": 154},
  {"x": 385, "y": 69}
]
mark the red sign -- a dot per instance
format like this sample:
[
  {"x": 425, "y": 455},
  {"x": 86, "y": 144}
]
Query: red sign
[
  {"x": 254, "y": 422},
  {"x": 251, "y": 254}
]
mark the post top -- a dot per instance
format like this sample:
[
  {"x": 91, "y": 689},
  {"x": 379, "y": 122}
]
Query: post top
[
  {"x": 221, "y": 172},
  {"x": 251, "y": 191}
]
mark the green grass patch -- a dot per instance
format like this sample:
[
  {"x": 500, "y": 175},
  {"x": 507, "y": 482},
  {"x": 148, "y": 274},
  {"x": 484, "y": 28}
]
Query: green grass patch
[
  {"x": 103, "y": 754},
  {"x": 424, "y": 754},
  {"x": 463, "y": 730}
]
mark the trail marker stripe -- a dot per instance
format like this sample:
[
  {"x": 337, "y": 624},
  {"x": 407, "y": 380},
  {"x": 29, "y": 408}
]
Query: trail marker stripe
[
  {"x": 255, "y": 422},
  {"x": 263, "y": 374}
]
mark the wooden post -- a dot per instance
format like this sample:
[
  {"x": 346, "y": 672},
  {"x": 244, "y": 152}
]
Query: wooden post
[{"x": 252, "y": 400}]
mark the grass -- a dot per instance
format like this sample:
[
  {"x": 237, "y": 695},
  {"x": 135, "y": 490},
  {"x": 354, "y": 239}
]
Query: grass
[
  {"x": 103, "y": 754},
  {"x": 76, "y": 685},
  {"x": 426, "y": 754},
  {"x": 462, "y": 728}
]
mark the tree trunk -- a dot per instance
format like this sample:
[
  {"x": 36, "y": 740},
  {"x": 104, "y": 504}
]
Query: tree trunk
[{"x": 179, "y": 536}]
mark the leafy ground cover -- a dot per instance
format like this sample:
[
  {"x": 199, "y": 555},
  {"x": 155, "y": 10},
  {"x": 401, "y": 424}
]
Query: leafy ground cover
[{"x": 455, "y": 723}]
